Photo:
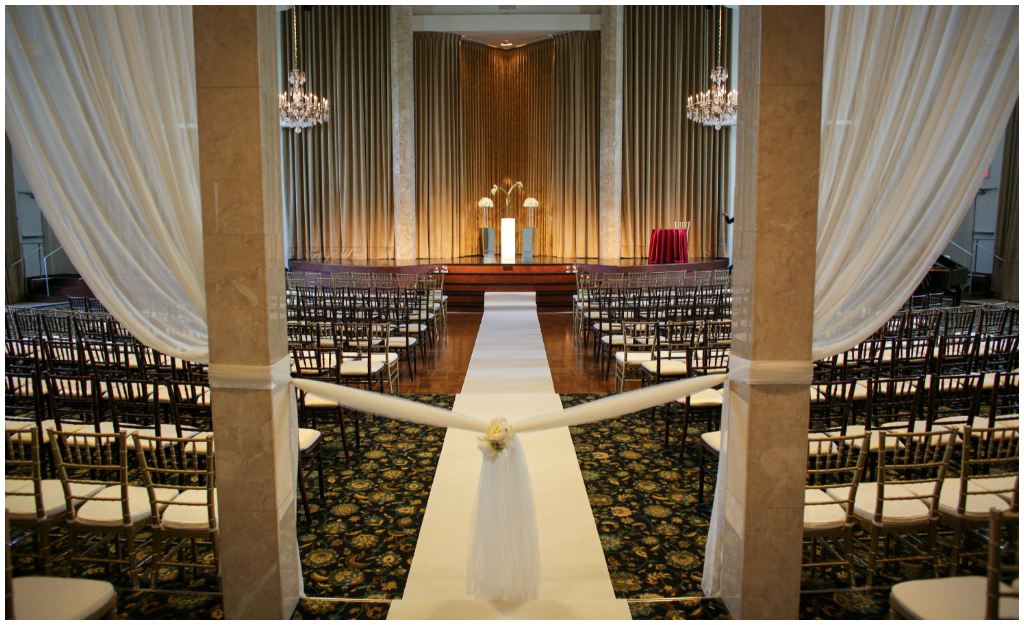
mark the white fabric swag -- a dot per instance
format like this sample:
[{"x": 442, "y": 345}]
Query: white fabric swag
[
  {"x": 914, "y": 103},
  {"x": 101, "y": 112}
]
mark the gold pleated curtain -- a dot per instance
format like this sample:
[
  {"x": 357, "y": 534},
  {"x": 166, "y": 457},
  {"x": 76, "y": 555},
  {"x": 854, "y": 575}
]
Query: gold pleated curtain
[
  {"x": 506, "y": 133},
  {"x": 338, "y": 175},
  {"x": 674, "y": 169},
  {"x": 571, "y": 223},
  {"x": 438, "y": 94}
]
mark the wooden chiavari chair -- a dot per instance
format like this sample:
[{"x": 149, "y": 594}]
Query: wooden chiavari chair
[
  {"x": 968, "y": 598},
  {"x": 34, "y": 506},
  {"x": 111, "y": 517},
  {"x": 889, "y": 509},
  {"x": 966, "y": 501},
  {"x": 835, "y": 467},
  {"x": 182, "y": 493}
]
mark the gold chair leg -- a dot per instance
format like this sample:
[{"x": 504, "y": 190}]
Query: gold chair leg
[
  {"x": 158, "y": 552},
  {"x": 872, "y": 555},
  {"x": 133, "y": 570}
]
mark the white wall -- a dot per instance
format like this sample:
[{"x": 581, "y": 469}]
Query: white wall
[
  {"x": 976, "y": 233},
  {"x": 33, "y": 230}
]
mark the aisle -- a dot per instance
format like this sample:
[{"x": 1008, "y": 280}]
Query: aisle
[{"x": 509, "y": 376}]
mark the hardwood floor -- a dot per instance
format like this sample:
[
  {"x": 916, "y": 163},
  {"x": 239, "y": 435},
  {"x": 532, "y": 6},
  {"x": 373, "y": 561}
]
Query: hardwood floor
[
  {"x": 444, "y": 369},
  {"x": 573, "y": 368}
]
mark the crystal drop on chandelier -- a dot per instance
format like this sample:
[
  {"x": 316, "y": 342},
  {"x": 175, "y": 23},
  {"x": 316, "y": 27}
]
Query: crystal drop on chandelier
[{"x": 300, "y": 109}]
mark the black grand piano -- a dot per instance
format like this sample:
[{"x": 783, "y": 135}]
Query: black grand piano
[{"x": 947, "y": 277}]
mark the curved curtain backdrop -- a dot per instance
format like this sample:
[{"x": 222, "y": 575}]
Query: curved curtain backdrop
[
  {"x": 506, "y": 125},
  {"x": 101, "y": 112},
  {"x": 338, "y": 176},
  {"x": 487, "y": 116},
  {"x": 1006, "y": 272},
  {"x": 673, "y": 169}
]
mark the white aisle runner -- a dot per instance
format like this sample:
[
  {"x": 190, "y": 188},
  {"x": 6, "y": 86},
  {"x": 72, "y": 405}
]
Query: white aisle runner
[{"x": 509, "y": 377}]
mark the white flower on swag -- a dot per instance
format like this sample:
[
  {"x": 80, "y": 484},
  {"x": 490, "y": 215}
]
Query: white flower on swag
[{"x": 498, "y": 438}]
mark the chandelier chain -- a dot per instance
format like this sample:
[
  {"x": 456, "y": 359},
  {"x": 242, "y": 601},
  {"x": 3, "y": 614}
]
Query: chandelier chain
[{"x": 295, "y": 38}]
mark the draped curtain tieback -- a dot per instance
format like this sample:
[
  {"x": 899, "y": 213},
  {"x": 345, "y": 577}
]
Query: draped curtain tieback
[
  {"x": 764, "y": 372},
  {"x": 252, "y": 377}
]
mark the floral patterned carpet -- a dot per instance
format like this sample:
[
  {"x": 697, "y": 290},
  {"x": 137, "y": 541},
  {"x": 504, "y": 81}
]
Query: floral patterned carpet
[{"x": 361, "y": 540}]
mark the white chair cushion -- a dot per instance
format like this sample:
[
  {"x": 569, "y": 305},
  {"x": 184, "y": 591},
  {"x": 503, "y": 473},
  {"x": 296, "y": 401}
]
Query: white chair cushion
[
  {"x": 358, "y": 367},
  {"x": 44, "y": 436},
  {"x": 860, "y": 391},
  {"x": 391, "y": 357},
  {"x": 950, "y": 598},
  {"x": 668, "y": 367},
  {"x": 894, "y": 511},
  {"x": 109, "y": 513},
  {"x": 13, "y": 485},
  {"x": 712, "y": 440},
  {"x": 817, "y": 447},
  {"x": 1002, "y": 483},
  {"x": 957, "y": 423},
  {"x": 54, "y": 503},
  {"x": 79, "y": 598},
  {"x": 873, "y": 443},
  {"x": 106, "y": 427},
  {"x": 189, "y": 518},
  {"x": 166, "y": 430},
  {"x": 307, "y": 437},
  {"x": 977, "y": 505},
  {"x": 312, "y": 401},
  {"x": 707, "y": 398},
  {"x": 402, "y": 341},
  {"x": 632, "y": 357},
  {"x": 825, "y": 516},
  {"x": 199, "y": 446}
]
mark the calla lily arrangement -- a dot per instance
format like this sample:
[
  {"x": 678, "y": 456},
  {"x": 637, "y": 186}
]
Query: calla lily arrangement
[{"x": 507, "y": 192}]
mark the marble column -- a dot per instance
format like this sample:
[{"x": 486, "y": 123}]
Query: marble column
[
  {"x": 240, "y": 186},
  {"x": 781, "y": 56},
  {"x": 403, "y": 133},
  {"x": 610, "y": 184}
]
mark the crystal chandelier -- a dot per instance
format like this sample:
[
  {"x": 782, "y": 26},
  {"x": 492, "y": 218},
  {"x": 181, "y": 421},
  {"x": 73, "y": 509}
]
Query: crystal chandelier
[
  {"x": 716, "y": 106},
  {"x": 300, "y": 109}
]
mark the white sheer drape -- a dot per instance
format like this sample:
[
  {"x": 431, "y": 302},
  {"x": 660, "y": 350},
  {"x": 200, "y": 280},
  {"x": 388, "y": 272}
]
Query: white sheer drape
[
  {"x": 101, "y": 112},
  {"x": 914, "y": 102}
]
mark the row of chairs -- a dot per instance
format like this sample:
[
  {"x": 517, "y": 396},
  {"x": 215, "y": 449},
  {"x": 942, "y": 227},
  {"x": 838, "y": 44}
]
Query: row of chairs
[
  {"x": 962, "y": 320},
  {"x": 328, "y": 299},
  {"x": 102, "y": 510},
  {"x": 916, "y": 490}
]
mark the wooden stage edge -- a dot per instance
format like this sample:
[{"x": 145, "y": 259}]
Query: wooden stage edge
[{"x": 468, "y": 279}]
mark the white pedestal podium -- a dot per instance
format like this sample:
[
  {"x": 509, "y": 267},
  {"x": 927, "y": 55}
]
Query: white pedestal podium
[{"x": 508, "y": 240}]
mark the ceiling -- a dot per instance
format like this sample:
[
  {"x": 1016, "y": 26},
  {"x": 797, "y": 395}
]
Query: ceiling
[{"x": 514, "y": 24}]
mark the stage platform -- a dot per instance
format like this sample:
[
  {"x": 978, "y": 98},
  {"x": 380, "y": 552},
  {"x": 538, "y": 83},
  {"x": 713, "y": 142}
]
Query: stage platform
[{"x": 469, "y": 278}]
